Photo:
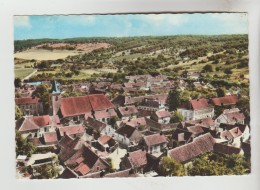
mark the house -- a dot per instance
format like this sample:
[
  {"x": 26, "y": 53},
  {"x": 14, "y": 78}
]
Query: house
[
  {"x": 161, "y": 117},
  {"x": 226, "y": 149},
  {"x": 155, "y": 144},
  {"x": 204, "y": 122},
  {"x": 35, "y": 125},
  {"x": 68, "y": 174},
  {"x": 73, "y": 131},
  {"x": 233, "y": 136},
  {"x": 68, "y": 146},
  {"x": 122, "y": 100},
  {"x": 231, "y": 116},
  {"x": 128, "y": 134},
  {"x": 41, "y": 159},
  {"x": 30, "y": 105},
  {"x": 85, "y": 161},
  {"x": 75, "y": 108},
  {"x": 245, "y": 130},
  {"x": 196, "y": 130},
  {"x": 198, "y": 146},
  {"x": 227, "y": 101},
  {"x": 181, "y": 137},
  {"x": 107, "y": 143},
  {"x": 136, "y": 160},
  {"x": 95, "y": 125},
  {"x": 196, "y": 109},
  {"x": 127, "y": 112},
  {"x": 50, "y": 138},
  {"x": 152, "y": 104},
  {"x": 160, "y": 127},
  {"x": 105, "y": 115},
  {"x": 123, "y": 173}
]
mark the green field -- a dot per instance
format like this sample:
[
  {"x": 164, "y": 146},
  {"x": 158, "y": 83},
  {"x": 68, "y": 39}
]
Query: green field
[{"x": 23, "y": 72}]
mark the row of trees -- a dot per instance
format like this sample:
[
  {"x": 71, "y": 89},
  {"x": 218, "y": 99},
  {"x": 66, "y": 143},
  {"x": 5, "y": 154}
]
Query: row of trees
[{"x": 208, "y": 164}]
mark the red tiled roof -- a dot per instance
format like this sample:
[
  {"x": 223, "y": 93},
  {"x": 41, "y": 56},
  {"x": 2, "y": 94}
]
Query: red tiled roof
[
  {"x": 100, "y": 102},
  {"x": 27, "y": 100},
  {"x": 235, "y": 116},
  {"x": 75, "y": 106},
  {"x": 124, "y": 173},
  {"x": 82, "y": 168},
  {"x": 84, "y": 104},
  {"x": 195, "y": 129},
  {"x": 128, "y": 110},
  {"x": 104, "y": 139},
  {"x": 43, "y": 120},
  {"x": 105, "y": 114},
  {"x": 226, "y": 135},
  {"x": 226, "y": 100},
  {"x": 226, "y": 149},
  {"x": 138, "y": 158},
  {"x": 83, "y": 160},
  {"x": 206, "y": 122},
  {"x": 134, "y": 122},
  {"x": 235, "y": 132},
  {"x": 155, "y": 139},
  {"x": 197, "y": 104},
  {"x": 68, "y": 147},
  {"x": 163, "y": 114},
  {"x": 50, "y": 137},
  {"x": 200, "y": 145},
  {"x": 26, "y": 124},
  {"x": 71, "y": 130}
]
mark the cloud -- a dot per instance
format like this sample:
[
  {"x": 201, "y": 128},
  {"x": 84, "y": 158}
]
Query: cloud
[
  {"x": 233, "y": 22},
  {"x": 22, "y": 21},
  {"x": 78, "y": 19},
  {"x": 168, "y": 19}
]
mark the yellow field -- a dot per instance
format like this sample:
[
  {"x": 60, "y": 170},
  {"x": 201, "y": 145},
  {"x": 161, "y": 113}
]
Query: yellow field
[{"x": 40, "y": 54}]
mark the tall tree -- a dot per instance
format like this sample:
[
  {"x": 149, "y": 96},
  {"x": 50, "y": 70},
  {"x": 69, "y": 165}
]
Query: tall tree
[
  {"x": 174, "y": 99},
  {"x": 170, "y": 167},
  {"x": 22, "y": 146},
  {"x": 17, "y": 82},
  {"x": 42, "y": 92}
]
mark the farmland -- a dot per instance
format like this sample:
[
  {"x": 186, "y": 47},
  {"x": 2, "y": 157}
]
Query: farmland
[
  {"x": 85, "y": 58},
  {"x": 41, "y": 54},
  {"x": 23, "y": 72}
]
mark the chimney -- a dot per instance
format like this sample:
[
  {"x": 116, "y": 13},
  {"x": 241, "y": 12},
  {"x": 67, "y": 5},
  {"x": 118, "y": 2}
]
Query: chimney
[{"x": 126, "y": 108}]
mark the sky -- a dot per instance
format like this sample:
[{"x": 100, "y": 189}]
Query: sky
[{"x": 69, "y": 26}]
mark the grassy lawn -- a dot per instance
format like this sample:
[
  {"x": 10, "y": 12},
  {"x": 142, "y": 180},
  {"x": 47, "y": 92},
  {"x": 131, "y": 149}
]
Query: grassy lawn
[{"x": 23, "y": 72}]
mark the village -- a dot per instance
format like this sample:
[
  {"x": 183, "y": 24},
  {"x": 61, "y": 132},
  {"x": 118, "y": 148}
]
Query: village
[{"x": 124, "y": 129}]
